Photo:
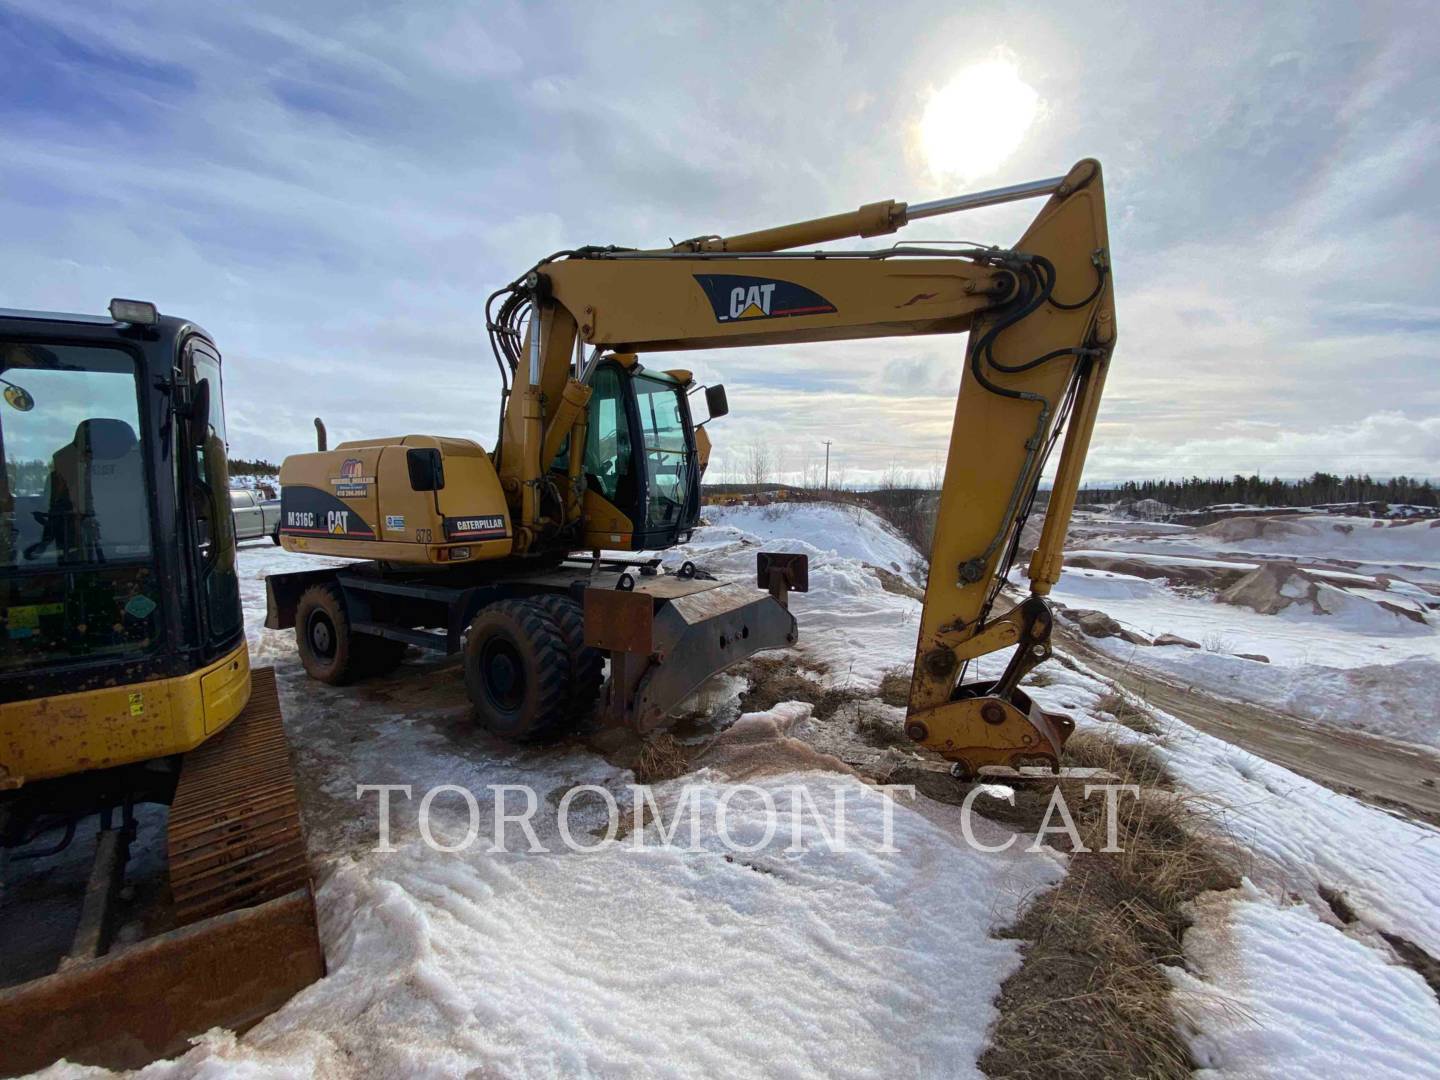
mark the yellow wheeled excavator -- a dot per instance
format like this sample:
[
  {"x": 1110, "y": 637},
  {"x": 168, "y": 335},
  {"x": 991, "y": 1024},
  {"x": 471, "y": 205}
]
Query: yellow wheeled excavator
[
  {"x": 125, "y": 685},
  {"x": 476, "y": 552}
]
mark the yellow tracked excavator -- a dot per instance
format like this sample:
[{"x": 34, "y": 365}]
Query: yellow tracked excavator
[
  {"x": 598, "y": 452},
  {"x": 125, "y": 684}
]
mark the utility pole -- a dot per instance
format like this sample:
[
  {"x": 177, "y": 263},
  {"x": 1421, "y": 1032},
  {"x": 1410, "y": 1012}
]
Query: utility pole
[{"x": 827, "y": 464}]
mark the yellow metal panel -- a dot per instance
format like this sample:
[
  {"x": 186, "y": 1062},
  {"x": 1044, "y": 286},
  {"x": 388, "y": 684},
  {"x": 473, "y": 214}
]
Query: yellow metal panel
[
  {"x": 115, "y": 725},
  {"x": 865, "y": 299},
  {"x": 605, "y": 525},
  {"x": 408, "y": 524},
  {"x": 224, "y": 690}
]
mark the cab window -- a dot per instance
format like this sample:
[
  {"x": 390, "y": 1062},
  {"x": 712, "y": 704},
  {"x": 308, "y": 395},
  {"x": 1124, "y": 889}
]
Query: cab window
[
  {"x": 608, "y": 452},
  {"x": 76, "y": 562},
  {"x": 210, "y": 505}
]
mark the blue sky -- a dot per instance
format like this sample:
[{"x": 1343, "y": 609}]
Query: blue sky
[{"x": 333, "y": 189}]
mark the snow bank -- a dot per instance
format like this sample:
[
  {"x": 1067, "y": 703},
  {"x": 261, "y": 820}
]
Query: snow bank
[
  {"x": 850, "y": 532},
  {"x": 1276, "y": 989},
  {"x": 852, "y": 629}
]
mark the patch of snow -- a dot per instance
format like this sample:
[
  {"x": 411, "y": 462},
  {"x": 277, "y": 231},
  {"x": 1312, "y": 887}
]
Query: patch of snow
[
  {"x": 659, "y": 961},
  {"x": 1301, "y": 998},
  {"x": 852, "y": 629},
  {"x": 851, "y": 532}
]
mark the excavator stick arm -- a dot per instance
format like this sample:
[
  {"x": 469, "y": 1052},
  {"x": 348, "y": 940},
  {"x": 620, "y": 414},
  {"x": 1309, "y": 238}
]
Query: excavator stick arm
[{"x": 1034, "y": 366}]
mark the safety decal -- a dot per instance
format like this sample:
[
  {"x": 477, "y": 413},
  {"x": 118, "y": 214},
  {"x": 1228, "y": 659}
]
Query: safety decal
[{"x": 738, "y": 297}]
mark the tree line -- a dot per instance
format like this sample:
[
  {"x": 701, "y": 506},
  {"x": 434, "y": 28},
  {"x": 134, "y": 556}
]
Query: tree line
[
  {"x": 253, "y": 467},
  {"x": 1199, "y": 492}
]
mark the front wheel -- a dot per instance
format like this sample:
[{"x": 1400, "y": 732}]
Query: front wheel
[
  {"x": 275, "y": 536},
  {"x": 517, "y": 671}
]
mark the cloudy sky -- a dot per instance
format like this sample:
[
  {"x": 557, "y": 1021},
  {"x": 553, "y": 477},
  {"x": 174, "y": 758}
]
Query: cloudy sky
[{"x": 333, "y": 189}]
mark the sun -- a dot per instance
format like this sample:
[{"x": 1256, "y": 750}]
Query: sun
[{"x": 973, "y": 124}]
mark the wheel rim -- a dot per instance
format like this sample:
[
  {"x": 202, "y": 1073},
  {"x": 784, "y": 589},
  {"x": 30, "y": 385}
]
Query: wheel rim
[
  {"x": 320, "y": 632},
  {"x": 502, "y": 674}
]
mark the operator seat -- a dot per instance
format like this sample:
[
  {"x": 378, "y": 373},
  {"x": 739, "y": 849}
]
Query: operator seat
[{"x": 97, "y": 493}]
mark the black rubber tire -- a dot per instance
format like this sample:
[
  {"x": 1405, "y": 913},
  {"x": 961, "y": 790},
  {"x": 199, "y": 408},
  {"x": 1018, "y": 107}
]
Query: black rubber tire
[
  {"x": 586, "y": 664},
  {"x": 322, "y": 636},
  {"x": 275, "y": 536},
  {"x": 517, "y": 671}
]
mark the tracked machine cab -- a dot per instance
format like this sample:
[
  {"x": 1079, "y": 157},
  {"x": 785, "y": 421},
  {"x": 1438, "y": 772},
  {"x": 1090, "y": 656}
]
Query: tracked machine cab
[{"x": 125, "y": 681}]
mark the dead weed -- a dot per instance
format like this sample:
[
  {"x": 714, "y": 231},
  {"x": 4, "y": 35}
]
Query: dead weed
[{"x": 1091, "y": 998}]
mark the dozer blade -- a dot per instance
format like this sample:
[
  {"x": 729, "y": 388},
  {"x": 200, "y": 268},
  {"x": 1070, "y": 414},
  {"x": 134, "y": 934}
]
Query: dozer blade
[
  {"x": 669, "y": 634},
  {"x": 246, "y": 939}
]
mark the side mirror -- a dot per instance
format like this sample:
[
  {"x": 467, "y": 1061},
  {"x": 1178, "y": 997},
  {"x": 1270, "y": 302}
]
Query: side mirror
[
  {"x": 17, "y": 397},
  {"x": 427, "y": 469},
  {"x": 715, "y": 401},
  {"x": 198, "y": 412}
]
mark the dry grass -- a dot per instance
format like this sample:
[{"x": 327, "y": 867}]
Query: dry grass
[
  {"x": 1090, "y": 998},
  {"x": 1128, "y": 711},
  {"x": 777, "y": 679},
  {"x": 895, "y": 686},
  {"x": 661, "y": 758}
]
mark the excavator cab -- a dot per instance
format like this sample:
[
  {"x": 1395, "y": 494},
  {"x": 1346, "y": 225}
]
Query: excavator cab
[
  {"x": 641, "y": 462},
  {"x": 124, "y": 681},
  {"x": 118, "y": 566}
]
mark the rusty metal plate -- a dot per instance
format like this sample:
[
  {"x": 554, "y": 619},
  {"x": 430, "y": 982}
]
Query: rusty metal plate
[
  {"x": 620, "y": 621},
  {"x": 144, "y": 1002},
  {"x": 793, "y": 568}
]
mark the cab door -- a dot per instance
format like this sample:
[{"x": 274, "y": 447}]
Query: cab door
[{"x": 205, "y": 504}]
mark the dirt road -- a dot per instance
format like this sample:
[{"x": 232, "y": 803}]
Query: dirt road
[{"x": 1392, "y": 775}]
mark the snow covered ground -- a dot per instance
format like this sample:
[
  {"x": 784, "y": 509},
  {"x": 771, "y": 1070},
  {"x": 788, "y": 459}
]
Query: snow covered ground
[
  {"x": 1252, "y": 957},
  {"x": 676, "y": 962},
  {"x": 664, "y": 961},
  {"x": 1360, "y": 648}
]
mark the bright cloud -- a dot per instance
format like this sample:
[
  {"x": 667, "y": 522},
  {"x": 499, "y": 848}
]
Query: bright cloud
[{"x": 334, "y": 190}]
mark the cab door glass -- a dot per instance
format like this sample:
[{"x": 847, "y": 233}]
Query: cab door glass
[
  {"x": 77, "y": 575},
  {"x": 214, "y": 528},
  {"x": 667, "y": 454},
  {"x": 608, "y": 450}
]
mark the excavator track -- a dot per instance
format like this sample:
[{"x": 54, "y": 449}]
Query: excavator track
[{"x": 234, "y": 837}]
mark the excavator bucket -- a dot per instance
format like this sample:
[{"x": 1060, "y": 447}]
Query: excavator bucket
[
  {"x": 667, "y": 634},
  {"x": 244, "y": 937}
]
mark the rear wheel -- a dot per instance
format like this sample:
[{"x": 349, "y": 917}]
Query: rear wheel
[
  {"x": 586, "y": 663},
  {"x": 517, "y": 670},
  {"x": 331, "y": 651},
  {"x": 322, "y": 636},
  {"x": 275, "y": 536}
]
